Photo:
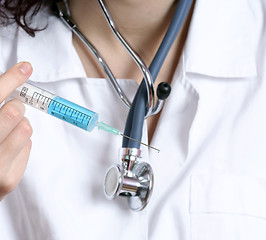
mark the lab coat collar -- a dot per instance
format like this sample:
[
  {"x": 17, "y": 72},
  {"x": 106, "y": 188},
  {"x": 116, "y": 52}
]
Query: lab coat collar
[
  {"x": 222, "y": 38},
  {"x": 221, "y": 42},
  {"x": 51, "y": 51}
]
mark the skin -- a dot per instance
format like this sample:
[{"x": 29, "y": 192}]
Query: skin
[
  {"x": 144, "y": 32},
  {"x": 15, "y": 130},
  {"x": 142, "y": 23}
]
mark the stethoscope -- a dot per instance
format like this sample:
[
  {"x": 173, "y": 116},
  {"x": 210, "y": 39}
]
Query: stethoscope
[{"x": 133, "y": 178}]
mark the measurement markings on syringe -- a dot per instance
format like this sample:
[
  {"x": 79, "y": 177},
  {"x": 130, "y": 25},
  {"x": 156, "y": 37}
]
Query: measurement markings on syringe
[
  {"x": 41, "y": 101},
  {"x": 69, "y": 114},
  {"x": 57, "y": 106},
  {"x": 23, "y": 92}
]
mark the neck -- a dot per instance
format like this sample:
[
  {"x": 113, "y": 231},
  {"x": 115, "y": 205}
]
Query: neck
[
  {"x": 134, "y": 17},
  {"x": 142, "y": 23}
]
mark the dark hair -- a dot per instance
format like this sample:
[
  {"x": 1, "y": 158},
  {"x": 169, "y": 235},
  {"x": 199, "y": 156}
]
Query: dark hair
[{"x": 21, "y": 12}]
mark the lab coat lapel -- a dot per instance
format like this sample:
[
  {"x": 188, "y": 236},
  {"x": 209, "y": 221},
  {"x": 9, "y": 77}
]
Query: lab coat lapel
[
  {"x": 172, "y": 134},
  {"x": 219, "y": 48},
  {"x": 220, "y": 42},
  {"x": 213, "y": 48},
  {"x": 52, "y": 60}
]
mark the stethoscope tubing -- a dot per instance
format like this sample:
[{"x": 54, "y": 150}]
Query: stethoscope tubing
[{"x": 136, "y": 115}]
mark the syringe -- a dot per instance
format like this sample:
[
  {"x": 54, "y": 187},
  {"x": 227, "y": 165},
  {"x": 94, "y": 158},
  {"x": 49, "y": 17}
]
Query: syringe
[{"x": 63, "y": 109}]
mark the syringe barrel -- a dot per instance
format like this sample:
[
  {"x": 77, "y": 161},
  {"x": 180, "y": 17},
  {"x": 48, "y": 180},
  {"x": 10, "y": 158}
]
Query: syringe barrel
[
  {"x": 33, "y": 96},
  {"x": 73, "y": 113},
  {"x": 56, "y": 106}
]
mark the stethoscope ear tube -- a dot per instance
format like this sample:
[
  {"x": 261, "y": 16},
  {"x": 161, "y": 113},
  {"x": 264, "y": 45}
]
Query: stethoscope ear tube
[{"x": 61, "y": 9}]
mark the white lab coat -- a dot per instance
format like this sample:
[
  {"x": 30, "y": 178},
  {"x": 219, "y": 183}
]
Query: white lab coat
[{"x": 210, "y": 176}]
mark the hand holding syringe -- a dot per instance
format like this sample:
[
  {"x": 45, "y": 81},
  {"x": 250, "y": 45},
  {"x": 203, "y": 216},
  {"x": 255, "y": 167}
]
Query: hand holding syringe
[{"x": 63, "y": 109}]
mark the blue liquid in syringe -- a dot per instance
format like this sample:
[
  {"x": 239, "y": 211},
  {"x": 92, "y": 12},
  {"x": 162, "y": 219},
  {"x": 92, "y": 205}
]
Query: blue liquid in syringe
[
  {"x": 73, "y": 113},
  {"x": 56, "y": 106}
]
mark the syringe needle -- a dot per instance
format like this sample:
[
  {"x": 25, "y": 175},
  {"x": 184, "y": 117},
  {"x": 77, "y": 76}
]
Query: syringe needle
[
  {"x": 149, "y": 146},
  {"x": 107, "y": 128}
]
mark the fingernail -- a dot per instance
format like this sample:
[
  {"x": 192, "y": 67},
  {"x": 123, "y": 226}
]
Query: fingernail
[{"x": 25, "y": 67}]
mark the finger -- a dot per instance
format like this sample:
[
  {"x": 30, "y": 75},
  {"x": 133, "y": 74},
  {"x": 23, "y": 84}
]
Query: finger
[
  {"x": 10, "y": 115},
  {"x": 19, "y": 164},
  {"x": 15, "y": 142},
  {"x": 10, "y": 180},
  {"x": 13, "y": 78}
]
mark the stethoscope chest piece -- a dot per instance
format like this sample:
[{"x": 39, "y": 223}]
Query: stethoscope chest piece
[{"x": 131, "y": 179}]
